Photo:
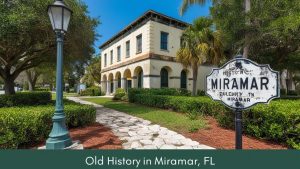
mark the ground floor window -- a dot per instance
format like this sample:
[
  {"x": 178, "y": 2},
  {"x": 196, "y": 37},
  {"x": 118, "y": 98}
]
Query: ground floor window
[
  {"x": 164, "y": 78},
  {"x": 183, "y": 80},
  {"x": 119, "y": 82},
  {"x": 140, "y": 79},
  {"x": 111, "y": 87}
]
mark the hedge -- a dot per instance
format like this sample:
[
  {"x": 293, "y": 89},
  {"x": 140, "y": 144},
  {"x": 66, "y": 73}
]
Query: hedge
[
  {"x": 162, "y": 91},
  {"x": 91, "y": 91},
  {"x": 279, "y": 121},
  {"x": 24, "y": 125},
  {"x": 25, "y": 99}
]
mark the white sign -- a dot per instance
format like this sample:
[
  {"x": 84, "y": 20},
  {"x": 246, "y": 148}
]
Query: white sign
[{"x": 242, "y": 83}]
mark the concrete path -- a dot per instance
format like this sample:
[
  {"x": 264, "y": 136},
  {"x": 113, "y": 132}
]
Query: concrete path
[{"x": 137, "y": 133}]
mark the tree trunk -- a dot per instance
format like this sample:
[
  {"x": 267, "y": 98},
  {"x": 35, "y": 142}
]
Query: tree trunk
[
  {"x": 247, "y": 36},
  {"x": 32, "y": 77},
  {"x": 30, "y": 86},
  {"x": 9, "y": 86},
  {"x": 195, "y": 75}
]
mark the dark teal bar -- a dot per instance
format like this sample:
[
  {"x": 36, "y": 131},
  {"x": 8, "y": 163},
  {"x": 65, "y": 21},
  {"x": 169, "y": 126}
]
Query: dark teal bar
[{"x": 223, "y": 159}]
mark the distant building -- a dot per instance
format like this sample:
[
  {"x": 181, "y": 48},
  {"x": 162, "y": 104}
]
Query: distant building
[{"x": 143, "y": 55}]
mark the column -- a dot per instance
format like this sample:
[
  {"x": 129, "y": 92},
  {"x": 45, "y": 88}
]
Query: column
[
  {"x": 107, "y": 87},
  {"x": 123, "y": 83},
  {"x": 115, "y": 85},
  {"x": 134, "y": 82}
]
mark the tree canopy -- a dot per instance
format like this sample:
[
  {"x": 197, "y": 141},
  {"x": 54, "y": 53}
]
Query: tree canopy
[
  {"x": 27, "y": 38},
  {"x": 274, "y": 30}
]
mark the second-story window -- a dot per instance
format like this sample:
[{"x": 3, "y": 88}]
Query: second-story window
[
  {"x": 105, "y": 60},
  {"x": 119, "y": 53},
  {"x": 128, "y": 49},
  {"x": 164, "y": 40},
  {"x": 111, "y": 56},
  {"x": 139, "y": 43}
]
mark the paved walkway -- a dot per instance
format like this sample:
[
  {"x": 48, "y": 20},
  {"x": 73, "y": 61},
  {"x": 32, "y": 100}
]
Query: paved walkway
[{"x": 137, "y": 133}]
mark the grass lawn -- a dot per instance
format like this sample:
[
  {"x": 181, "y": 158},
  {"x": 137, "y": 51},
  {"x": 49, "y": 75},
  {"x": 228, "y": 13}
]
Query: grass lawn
[
  {"x": 172, "y": 120},
  {"x": 65, "y": 95}
]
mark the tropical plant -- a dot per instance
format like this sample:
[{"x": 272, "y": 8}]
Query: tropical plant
[
  {"x": 200, "y": 44},
  {"x": 186, "y": 3},
  {"x": 245, "y": 10}
]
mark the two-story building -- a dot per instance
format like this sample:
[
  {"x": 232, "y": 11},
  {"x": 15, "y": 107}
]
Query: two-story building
[{"x": 143, "y": 54}]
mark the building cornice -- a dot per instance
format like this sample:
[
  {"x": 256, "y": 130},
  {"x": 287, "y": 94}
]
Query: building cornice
[{"x": 142, "y": 20}]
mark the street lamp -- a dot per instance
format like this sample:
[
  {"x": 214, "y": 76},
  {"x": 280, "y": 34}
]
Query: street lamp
[{"x": 59, "y": 137}]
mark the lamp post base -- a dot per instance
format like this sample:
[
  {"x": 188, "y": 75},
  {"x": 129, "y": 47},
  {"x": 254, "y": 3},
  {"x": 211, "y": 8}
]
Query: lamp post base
[{"x": 58, "y": 143}]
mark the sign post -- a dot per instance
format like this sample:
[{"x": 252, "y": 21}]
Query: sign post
[{"x": 241, "y": 84}]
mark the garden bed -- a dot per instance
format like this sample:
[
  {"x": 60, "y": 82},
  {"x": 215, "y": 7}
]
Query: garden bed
[{"x": 222, "y": 138}]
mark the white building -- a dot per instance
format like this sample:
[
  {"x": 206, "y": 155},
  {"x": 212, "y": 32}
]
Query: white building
[{"x": 143, "y": 54}]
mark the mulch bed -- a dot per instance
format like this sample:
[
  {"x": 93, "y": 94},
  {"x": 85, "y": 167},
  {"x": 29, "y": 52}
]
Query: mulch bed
[
  {"x": 221, "y": 138},
  {"x": 96, "y": 136}
]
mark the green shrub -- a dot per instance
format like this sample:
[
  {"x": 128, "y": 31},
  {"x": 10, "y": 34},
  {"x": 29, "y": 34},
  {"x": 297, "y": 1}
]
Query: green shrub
[
  {"x": 25, "y": 99},
  {"x": 279, "y": 121},
  {"x": 201, "y": 93},
  {"x": 119, "y": 94},
  {"x": 292, "y": 93},
  {"x": 162, "y": 91},
  {"x": 282, "y": 92},
  {"x": 91, "y": 91},
  {"x": 42, "y": 89},
  {"x": 31, "y": 124}
]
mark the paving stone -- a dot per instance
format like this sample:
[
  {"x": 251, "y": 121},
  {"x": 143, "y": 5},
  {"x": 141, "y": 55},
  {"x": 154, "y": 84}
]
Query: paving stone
[
  {"x": 185, "y": 147},
  {"x": 149, "y": 147},
  {"x": 173, "y": 142},
  {"x": 146, "y": 142},
  {"x": 166, "y": 146},
  {"x": 135, "y": 145}
]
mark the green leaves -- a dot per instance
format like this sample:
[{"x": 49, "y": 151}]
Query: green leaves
[{"x": 32, "y": 124}]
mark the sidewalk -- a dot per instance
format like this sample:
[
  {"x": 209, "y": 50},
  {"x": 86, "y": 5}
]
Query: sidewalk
[{"x": 137, "y": 133}]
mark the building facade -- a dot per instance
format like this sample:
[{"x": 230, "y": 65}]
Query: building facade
[{"x": 143, "y": 56}]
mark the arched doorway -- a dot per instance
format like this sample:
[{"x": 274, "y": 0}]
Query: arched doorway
[
  {"x": 139, "y": 77},
  {"x": 118, "y": 79},
  {"x": 111, "y": 83},
  {"x": 128, "y": 79},
  {"x": 164, "y": 78},
  {"x": 183, "y": 79}
]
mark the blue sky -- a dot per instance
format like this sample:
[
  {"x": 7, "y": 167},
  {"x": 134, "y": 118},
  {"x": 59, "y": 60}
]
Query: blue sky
[{"x": 117, "y": 14}]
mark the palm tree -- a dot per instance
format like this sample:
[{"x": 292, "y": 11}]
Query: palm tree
[
  {"x": 187, "y": 3},
  {"x": 199, "y": 44}
]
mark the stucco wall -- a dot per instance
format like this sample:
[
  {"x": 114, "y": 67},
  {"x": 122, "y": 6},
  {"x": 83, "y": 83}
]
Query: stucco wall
[
  {"x": 173, "y": 39},
  {"x": 144, "y": 30}
]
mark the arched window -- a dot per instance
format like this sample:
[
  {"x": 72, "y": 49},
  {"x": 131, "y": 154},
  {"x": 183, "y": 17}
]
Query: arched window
[
  {"x": 111, "y": 87},
  {"x": 183, "y": 80},
  {"x": 164, "y": 78},
  {"x": 119, "y": 82},
  {"x": 140, "y": 79}
]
